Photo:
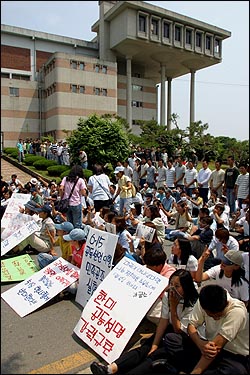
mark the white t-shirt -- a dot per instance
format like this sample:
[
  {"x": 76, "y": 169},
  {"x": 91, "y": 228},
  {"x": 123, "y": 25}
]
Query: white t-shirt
[{"x": 191, "y": 266}]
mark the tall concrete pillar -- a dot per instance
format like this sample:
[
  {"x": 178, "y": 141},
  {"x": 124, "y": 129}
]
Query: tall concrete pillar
[
  {"x": 129, "y": 93},
  {"x": 192, "y": 95},
  {"x": 163, "y": 96},
  {"x": 169, "y": 111}
]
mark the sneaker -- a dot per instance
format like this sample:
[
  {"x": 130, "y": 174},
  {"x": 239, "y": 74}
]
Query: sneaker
[{"x": 98, "y": 368}]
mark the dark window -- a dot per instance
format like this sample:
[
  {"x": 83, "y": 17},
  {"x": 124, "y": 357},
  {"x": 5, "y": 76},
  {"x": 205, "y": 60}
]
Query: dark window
[
  {"x": 166, "y": 30},
  {"x": 104, "y": 69},
  {"x": 5, "y": 75},
  {"x": 74, "y": 88},
  {"x": 19, "y": 76},
  {"x": 104, "y": 92},
  {"x": 188, "y": 36},
  {"x": 73, "y": 64},
  {"x": 142, "y": 23},
  {"x": 136, "y": 103},
  {"x": 82, "y": 89},
  {"x": 198, "y": 40},
  {"x": 81, "y": 66},
  {"x": 14, "y": 91},
  {"x": 97, "y": 91},
  {"x": 97, "y": 68},
  {"x": 208, "y": 42},
  {"x": 177, "y": 33},
  {"x": 155, "y": 27}
]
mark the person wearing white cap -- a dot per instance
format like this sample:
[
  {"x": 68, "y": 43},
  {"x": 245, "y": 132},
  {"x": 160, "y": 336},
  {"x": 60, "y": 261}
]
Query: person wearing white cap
[
  {"x": 124, "y": 190},
  {"x": 229, "y": 274}
]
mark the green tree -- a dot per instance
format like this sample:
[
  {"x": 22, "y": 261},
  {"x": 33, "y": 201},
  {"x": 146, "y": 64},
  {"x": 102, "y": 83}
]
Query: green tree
[{"x": 103, "y": 138}]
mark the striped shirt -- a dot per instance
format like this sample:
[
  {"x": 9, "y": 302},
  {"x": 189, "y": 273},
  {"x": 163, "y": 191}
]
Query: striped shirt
[
  {"x": 190, "y": 175},
  {"x": 170, "y": 177},
  {"x": 243, "y": 185}
]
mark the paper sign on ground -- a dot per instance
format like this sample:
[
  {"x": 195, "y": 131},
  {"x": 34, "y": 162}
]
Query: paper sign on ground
[
  {"x": 18, "y": 268},
  {"x": 18, "y": 236},
  {"x": 117, "y": 306},
  {"x": 96, "y": 263},
  {"x": 41, "y": 287},
  {"x": 17, "y": 200},
  {"x": 144, "y": 231}
]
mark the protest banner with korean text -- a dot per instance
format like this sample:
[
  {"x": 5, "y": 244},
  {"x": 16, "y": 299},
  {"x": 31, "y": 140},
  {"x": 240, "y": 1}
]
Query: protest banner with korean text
[
  {"x": 41, "y": 287},
  {"x": 96, "y": 263},
  {"x": 16, "y": 201},
  {"x": 18, "y": 268},
  {"x": 18, "y": 236},
  {"x": 117, "y": 306}
]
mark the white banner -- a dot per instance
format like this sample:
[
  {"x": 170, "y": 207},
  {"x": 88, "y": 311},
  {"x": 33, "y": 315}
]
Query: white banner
[
  {"x": 96, "y": 263},
  {"x": 18, "y": 236},
  {"x": 41, "y": 287},
  {"x": 16, "y": 201},
  {"x": 117, "y": 306},
  {"x": 146, "y": 232}
]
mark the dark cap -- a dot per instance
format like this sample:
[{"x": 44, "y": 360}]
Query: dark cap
[{"x": 45, "y": 208}]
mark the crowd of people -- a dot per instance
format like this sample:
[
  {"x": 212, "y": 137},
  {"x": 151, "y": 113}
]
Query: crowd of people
[{"x": 202, "y": 317}]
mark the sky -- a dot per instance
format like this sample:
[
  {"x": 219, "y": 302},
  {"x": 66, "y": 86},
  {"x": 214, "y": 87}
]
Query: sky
[{"x": 221, "y": 91}]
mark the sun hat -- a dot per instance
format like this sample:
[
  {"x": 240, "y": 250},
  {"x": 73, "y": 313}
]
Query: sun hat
[
  {"x": 233, "y": 257},
  {"x": 31, "y": 205},
  {"x": 76, "y": 234},
  {"x": 45, "y": 208},
  {"x": 119, "y": 169},
  {"x": 33, "y": 181},
  {"x": 66, "y": 226}
]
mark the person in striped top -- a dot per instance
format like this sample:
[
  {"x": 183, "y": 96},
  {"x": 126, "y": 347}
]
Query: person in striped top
[{"x": 242, "y": 184}]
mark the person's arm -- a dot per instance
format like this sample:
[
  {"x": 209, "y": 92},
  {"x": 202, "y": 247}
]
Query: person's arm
[
  {"x": 117, "y": 193},
  {"x": 217, "y": 217},
  {"x": 161, "y": 328},
  {"x": 200, "y": 275},
  {"x": 174, "y": 300}
]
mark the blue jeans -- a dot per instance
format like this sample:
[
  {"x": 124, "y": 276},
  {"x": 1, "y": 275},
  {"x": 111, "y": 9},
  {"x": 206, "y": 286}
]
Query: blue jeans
[
  {"x": 84, "y": 165},
  {"x": 124, "y": 203},
  {"x": 231, "y": 199},
  {"x": 74, "y": 215},
  {"x": 44, "y": 259}
]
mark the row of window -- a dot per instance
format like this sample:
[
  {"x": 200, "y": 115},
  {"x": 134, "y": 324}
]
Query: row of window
[
  {"x": 178, "y": 34},
  {"x": 79, "y": 65},
  {"x": 15, "y": 76}
]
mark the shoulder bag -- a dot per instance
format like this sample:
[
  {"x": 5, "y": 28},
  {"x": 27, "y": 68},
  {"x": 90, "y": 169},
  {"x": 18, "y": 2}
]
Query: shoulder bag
[
  {"x": 63, "y": 204},
  {"x": 110, "y": 200}
]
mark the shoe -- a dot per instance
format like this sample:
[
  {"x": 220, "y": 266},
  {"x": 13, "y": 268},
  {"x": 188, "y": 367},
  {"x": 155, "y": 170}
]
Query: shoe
[{"x": 98, "y": 368}]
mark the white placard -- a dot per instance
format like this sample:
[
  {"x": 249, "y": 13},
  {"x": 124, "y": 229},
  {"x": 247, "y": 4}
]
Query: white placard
[
  {"x": 96, "y": 263},
  {"x": 16, "y": 201},
  {"x": 17, "y": 222},
  {"x": 117, "y": 306},
  {"x": 18, "y": 236},
  {"x": 41, "y": 287},
  {"x": 111, "y": 228},
  {"x": 144, "y": 231}
]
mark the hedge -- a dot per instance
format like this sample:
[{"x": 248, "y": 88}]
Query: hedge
[
  {"x": 29, "y": 160},
  {"x": 43, "y": 164},
  {"x": 9, "y": 150},
  {"x": 57, "y": 170},
  {"x": 87, "y": 173}
]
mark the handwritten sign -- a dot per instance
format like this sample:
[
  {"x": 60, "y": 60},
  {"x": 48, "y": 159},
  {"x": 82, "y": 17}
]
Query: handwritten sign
[
  {"x": 38, "y": 289},
  {"x": 16, "y": 201},
  {"x": 18, "y": 236},
  {"x": 146, "y": 232},
  {"x": 117, "y": 307},
  {"x": 96, "y": 263},
  {"x": 17, "y": 268}
]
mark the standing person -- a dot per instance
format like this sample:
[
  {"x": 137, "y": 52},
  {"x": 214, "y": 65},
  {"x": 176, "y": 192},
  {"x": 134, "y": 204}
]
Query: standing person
[
  {"x": 177, "y": 304},
  {"x": 190, "y": 178},
  {"x": 194, "y": 158},
  {"x": 226, "y": 347},
  {"x": 202, "y": 179},
  {"x": 128, "y": 171},
  {"x": 161, "y": 174},
  {"x": 242, "y": 184},
  {"x": 180, "y": 171},
  {"x": 65, "y": 154},
  {"x": 217, "y": 179},
  {"x": 170, "y": 174},
  {"x": 59, "y": 153},
  {"x": 124, "y": 190},
  {"x": 98, "y": 186},
  {"x": 143, "y": 171},
  {"x": 231, "y": 174},
  {"x": 151, "y": 172},
  {"x": 75, "y": 177},
  {"x": 83, "y": 157},
  {"x": 19, "y": 146}
]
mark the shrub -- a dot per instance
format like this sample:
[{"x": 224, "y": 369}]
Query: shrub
[
  {"x": 29, "y": 160},
  {"x": 9, "y": 150},
  {"x": 43, "y": 164},
  {"x": 65, "y": 173},
  {"x": 14, "y": 154},
  {"x": 57, "y": 170},
  {"x": 87, "y": 173}
]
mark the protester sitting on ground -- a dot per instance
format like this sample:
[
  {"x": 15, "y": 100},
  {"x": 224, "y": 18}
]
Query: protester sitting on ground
[
  {"x": 5, "y": 201},
  {"x": 66, "y": 252},
  {"x": 124, "y": 237},
  {"x": 201, "y": 237},
  {"x": 181, "y": 256},
  {"x": 226, "y": 348},
  {"x": 3, "y": 186},
  {"x": 119, "y": 253},
  {"x": 160, "y": 193},
  {"x": 164, "y": 217},
  {"x": 152, "y": 214},
  {"x": 220, "y": 217},
  {"x": 197, "y": 202},
  {"x": 43, "y": 240},
  {"x": 183, "y": 223},
  {"x": 14, "y": 183},
  {"x": 135, "y": 213},
  {"x": 177, "y": 304},
  {"x": 220, "y": 244},
  {"x": 36, "y": 197},
  {"x": 229, "y": 274},
  {"x": 213, "y": 199}
]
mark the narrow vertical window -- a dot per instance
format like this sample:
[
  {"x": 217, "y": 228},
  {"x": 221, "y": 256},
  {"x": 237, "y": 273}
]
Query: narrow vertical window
[{"x": 142, "y": 23}]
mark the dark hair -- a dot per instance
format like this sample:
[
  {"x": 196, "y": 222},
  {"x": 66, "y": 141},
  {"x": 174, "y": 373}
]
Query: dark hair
[
  {"x": 186, "y": 281},
  {"x": 110, "y": 216},
  {"x": 222, "y": 234},
  {"x": 205, "y": 211},
  {"x": 154, "y": 210},
  {"x": 155, "y": 257},
  {"x": 98, "y": 169},
  {"x": 75, "y": 172},
  {"x": 186, "y": 251},
  {"x": 207, "y": 220},
  {"x": 213, "y": 298},
  {"x": 120, "y": 223},
  {"x": 237, "y": 276}
]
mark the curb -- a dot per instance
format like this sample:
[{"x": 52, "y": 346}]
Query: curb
[{"x": 24, "y": 169}]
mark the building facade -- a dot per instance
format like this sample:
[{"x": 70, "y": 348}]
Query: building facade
[{"x": 48, "y": 81}]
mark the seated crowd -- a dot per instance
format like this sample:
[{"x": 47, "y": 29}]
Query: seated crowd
[{"x": 201, "y": 318}]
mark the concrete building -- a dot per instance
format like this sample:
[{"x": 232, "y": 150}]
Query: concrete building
[{"x": 48, "y": 81}]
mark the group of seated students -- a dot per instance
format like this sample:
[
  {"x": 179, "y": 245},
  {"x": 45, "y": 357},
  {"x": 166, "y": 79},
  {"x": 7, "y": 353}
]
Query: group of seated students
[{"x": 201, "y": 318}]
